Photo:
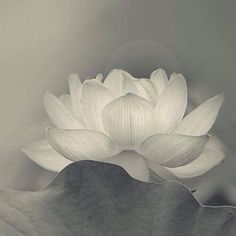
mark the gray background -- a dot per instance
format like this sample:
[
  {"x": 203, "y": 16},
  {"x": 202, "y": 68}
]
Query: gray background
[{"x": 41, "y": 42}]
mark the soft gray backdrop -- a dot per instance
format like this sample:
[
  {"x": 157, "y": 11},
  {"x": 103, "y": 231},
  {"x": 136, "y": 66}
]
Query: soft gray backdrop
[{"x": 41, "y": 42}]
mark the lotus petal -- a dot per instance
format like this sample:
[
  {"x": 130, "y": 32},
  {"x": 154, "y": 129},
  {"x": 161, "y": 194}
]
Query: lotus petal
[
  {"x": 58, "y": 113},
  {"x": 81, "y": 144},
  {"x": 171, "y": 106},
  {"x": 172, "y": 150},
  {"x": 133, "y": 163},
  {"x": 99, "y": 77},
  {"x": 204, "y": 163},
  {"x": 95, "y": 97},
  {"x": 42, "y": 153},
  {"x": 75, "y": 86},
  {"x": 161, "y": 171},
  {"x": 66, "y": 100},
  {"x": 114, "y": 81},
  {"x": 159, "y": 80},
  {"x": 128, "y": 120},
  {"x": 200, "y": 120}
]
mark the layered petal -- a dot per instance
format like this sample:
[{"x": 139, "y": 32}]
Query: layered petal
[
  {"x": 200, "y": 120},
  {"x": 171, "y": 105},
  {"x": 172, "y": 150},
  {"x": 120, "y": 82},
  {"x": 208, "y": 160},
  {"x": 59, "y": 114},
  {"x": 133, "y": 163},
  {"x": 114, "y": 81},
  {"x": 45, "y": 156},
  {"x": 75, "y": 86},
  {"x": 81, "y": 144},
  {"x": 128, "y": 120},
  {"x": 159, "y": 80},
  {"x": 95, "y": 97}
]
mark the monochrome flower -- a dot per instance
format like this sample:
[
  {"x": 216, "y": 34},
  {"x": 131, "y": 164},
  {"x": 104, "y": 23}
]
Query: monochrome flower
[{"x": 138, "y": 124}]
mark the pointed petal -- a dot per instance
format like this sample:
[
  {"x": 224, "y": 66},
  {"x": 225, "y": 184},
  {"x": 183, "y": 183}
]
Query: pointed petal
[
  {"x": 99, "y": 77},
  {"x": 204, "y": 163},
  {"x": 45, "y": 156},
  {"x": 159, "y": 80},
  {"x": 75, "y": 86},
  {"x": 133, "y": 163},
  {"x": 94, "y": 98},
  {"x": 171, "y": 106},
  {"x": 66, "y": 100},
  {"x": 200, "y": 120},
  {"x": 81, "y": 144},
  {"x": 172, "y": 150},
  {"x": 59, "y": 115},
  {"x": 128, "y": 120},
  {"x": 114, "y": 81}
]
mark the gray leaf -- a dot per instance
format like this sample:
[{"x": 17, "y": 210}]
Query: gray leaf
[{"x": 94, "y": 198}]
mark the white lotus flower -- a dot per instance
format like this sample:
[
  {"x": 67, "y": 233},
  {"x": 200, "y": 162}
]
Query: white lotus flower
[{"x": 138, "y": 124}]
